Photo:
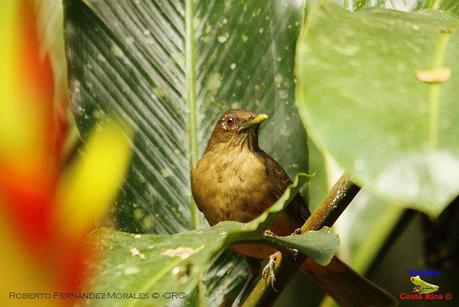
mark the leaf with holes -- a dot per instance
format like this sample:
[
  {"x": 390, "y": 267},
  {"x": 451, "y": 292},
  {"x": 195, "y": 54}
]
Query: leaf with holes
[{"x": 375, "y": 99}]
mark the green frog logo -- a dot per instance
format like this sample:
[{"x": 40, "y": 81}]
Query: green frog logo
[{"x": 422, "y": 286}]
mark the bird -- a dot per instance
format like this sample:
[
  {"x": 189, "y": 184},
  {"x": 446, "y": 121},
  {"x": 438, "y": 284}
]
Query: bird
[{"x": 235, "y": 180}]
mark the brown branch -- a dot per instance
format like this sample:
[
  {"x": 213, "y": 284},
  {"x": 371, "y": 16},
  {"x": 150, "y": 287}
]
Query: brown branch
[{"x": 328, "y": 211}]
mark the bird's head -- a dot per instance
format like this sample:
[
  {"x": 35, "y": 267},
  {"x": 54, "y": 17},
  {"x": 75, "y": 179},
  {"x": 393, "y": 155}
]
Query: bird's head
[{"x": 237, "y": 128}]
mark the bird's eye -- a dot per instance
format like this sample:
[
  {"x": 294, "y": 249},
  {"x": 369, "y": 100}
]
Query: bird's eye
[{"x": 230, "y": 121}]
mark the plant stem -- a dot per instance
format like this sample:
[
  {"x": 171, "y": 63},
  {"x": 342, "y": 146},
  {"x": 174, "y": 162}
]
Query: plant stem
[
  {"x": 191, "y": 101},
  {"x": 332, "y": 205},
  {"x": 329, "y": 209}
]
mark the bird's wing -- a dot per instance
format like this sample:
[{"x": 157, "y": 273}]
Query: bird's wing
[{"x": 279, "y": 181}]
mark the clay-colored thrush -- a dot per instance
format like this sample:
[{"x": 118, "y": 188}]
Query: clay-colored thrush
[{"x": 235, "y": 180}]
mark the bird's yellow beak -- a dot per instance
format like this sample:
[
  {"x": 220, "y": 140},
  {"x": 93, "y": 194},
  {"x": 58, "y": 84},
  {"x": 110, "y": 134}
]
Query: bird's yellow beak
[{"x": 257, "y": 120}]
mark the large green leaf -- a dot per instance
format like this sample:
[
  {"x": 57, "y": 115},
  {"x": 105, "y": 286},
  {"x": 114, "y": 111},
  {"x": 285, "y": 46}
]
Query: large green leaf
[
  {"x": 162, "y": 264},
  {"x": 367, "y": 222},
  {"x": 361, "y": 98}
]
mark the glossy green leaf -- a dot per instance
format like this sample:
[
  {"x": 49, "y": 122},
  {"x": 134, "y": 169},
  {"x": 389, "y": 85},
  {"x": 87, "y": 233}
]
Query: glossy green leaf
[
  {"x": 367, "y": 222},
  {"x": 148, "y": 264},
  {"x": 361, "y": 99}
]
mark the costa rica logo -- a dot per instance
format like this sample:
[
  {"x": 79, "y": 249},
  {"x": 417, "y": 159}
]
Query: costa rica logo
[{"x": 424, "y": 290}]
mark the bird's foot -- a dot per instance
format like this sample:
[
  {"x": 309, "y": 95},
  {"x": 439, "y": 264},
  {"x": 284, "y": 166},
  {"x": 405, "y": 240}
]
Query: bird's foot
[
  {"x": 268, "y": 271},
  {"x": 269, "y": 233},
  {"x": 298, "y": 231}
]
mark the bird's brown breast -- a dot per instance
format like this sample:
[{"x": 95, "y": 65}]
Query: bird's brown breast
[
  {"x": 231, "y": 184},
  {"x": 238, "y": 183}
]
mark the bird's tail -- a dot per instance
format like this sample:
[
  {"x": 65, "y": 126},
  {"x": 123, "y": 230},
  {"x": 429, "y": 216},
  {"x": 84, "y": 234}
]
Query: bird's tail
[{"x": 347, "y": 287}]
